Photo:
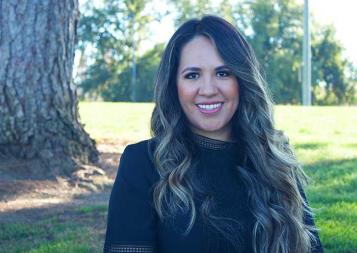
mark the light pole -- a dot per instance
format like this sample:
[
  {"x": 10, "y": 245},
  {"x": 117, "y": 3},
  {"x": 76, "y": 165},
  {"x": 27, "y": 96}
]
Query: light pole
[
  {"x": 306, "y": 84},
  {"x": 133, "y": 70}
]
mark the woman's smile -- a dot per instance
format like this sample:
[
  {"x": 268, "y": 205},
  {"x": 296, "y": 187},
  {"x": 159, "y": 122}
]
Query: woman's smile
[{"x": 210, "y": 108}]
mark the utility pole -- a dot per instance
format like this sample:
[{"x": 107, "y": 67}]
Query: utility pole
[
  {"x": 306, "y": 85},
  {"x": 133, "y": 70},
  {"x": 133, "y": 75}
]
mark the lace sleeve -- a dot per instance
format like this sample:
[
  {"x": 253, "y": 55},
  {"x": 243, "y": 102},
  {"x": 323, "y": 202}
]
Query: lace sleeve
[{"x": 127, "y": 248}]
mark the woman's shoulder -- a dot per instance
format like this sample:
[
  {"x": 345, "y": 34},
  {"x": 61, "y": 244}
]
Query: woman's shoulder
[
  {"x": 143, "y": 148},
  {"x": 137, "y": 158}
]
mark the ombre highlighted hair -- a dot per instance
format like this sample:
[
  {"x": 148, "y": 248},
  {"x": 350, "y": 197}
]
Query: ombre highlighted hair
[{"x": 271, "y": 172}]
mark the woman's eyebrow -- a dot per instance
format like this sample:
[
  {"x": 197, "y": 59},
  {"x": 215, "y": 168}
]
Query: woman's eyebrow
[
  {"x": 223, "y": 67},
  {"x": 191, "y": 68},
  {"x": 199, "y": 69}
]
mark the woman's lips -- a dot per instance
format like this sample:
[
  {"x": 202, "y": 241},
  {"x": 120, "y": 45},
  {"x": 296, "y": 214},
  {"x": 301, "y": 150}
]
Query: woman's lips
[{"x": 211, "y": 108}]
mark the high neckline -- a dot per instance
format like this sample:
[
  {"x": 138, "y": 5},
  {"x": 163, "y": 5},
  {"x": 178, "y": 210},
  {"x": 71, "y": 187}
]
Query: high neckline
[{"x": 213, "y": 144}]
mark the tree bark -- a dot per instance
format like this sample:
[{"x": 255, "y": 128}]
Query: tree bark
[{"x": 39, "y": 117}]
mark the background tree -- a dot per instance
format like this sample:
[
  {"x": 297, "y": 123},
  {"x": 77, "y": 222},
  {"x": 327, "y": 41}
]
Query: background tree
[
  {"x": 332, "y": 73},
  {"x": 274, "y": 29},
  {"x": 39, "y": 121},
  {"x": 276, "y": 36},
  {"x": 147, "y": 66},
  {"x": 111, "y": 32},
  {"x": 186, "y": 9}
]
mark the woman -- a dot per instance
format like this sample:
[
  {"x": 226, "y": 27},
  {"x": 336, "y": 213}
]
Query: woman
[{"x": 216, "y": 176}]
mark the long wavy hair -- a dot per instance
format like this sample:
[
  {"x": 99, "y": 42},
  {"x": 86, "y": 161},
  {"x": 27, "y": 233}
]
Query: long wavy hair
[{"x": 270, "y": 171}]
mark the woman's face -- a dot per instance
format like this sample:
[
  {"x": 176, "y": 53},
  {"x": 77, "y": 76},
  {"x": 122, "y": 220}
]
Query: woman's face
[{"x": 208, "y": 92}]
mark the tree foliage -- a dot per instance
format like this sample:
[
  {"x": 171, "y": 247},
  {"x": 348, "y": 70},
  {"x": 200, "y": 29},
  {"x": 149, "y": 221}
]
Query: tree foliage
[
  {"x": 187, "y": 9},
  {"x": 276, "y": 36},
  {"x": 274, "y": 29},
  {"x": 147, "y": 66},
  {"x": 330, "y": 67},
  {"x": 112, "y": 33}
]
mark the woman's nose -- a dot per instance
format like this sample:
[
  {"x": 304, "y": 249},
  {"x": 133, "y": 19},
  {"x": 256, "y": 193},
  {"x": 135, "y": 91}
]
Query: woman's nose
[{"x": 208, "y": 87}]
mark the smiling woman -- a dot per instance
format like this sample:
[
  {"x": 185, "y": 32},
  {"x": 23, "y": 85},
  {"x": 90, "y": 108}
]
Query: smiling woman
[
  {"x": 216, "y": 176},
  {"x": 207, "y": 91}
]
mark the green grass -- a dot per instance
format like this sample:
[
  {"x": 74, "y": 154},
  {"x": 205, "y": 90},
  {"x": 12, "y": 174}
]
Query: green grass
[
  {"x": 325, "y": 141},
  {"x": 124, "y": 121},
  {"x": 91, "y": 209},
  {"x": 76, "y": 231}
]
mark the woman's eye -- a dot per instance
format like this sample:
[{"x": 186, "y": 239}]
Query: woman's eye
[
  {"x": 223, "y": 73},
  {"x": 191, "y": 76}
]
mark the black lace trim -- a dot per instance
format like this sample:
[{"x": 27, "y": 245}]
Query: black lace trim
[
  {"x": 213, "y": 144},
  {"x": 119, "y": 248}
]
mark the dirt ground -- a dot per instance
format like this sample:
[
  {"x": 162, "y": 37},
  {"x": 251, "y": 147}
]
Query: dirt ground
[{"x": 24, "y": 199}]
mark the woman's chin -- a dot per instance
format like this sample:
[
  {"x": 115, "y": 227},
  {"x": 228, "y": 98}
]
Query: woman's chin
[{"x": 206, "y": 129}]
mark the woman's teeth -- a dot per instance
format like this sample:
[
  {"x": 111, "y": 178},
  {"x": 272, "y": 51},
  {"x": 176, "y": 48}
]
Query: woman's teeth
[{"x": 209, "y": 106}]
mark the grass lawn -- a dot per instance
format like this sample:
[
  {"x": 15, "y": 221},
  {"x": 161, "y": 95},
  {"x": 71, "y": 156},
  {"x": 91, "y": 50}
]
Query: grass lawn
[
  {"x": 76, "y": 231},
  {"x": 325, "y": 141},
  {"x": 124, "y": 121}
]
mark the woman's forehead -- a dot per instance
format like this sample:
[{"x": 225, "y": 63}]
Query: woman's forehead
[{"x": 200, "y": 52}]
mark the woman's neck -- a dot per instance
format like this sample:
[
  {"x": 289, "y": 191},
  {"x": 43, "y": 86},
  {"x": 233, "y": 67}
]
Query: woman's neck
[{"x": 221, "y": 136}]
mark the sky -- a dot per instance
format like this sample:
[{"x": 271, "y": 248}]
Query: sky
[{"x": 340, "y": 13}]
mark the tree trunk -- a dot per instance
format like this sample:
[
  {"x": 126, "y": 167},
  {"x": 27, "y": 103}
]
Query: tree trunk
[{"x": 39, "y": 118}]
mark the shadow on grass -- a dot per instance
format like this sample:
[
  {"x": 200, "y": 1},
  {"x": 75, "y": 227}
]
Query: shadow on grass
[
  {"x": 329, "y": 169},
  {"x": 311, "y": 145},
  {"x": 81, "y": 202},
  {"x": 333, "y": 181},
  {"x": 21, "y": 177},
  {"x": 77, "y": 226}
]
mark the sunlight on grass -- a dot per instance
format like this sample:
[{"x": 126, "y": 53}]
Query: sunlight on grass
[{"x": 124, "y": 121}]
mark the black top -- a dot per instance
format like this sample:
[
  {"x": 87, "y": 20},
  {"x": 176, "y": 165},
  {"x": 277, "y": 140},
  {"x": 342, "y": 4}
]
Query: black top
[{"x": 134, "y": 226}]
